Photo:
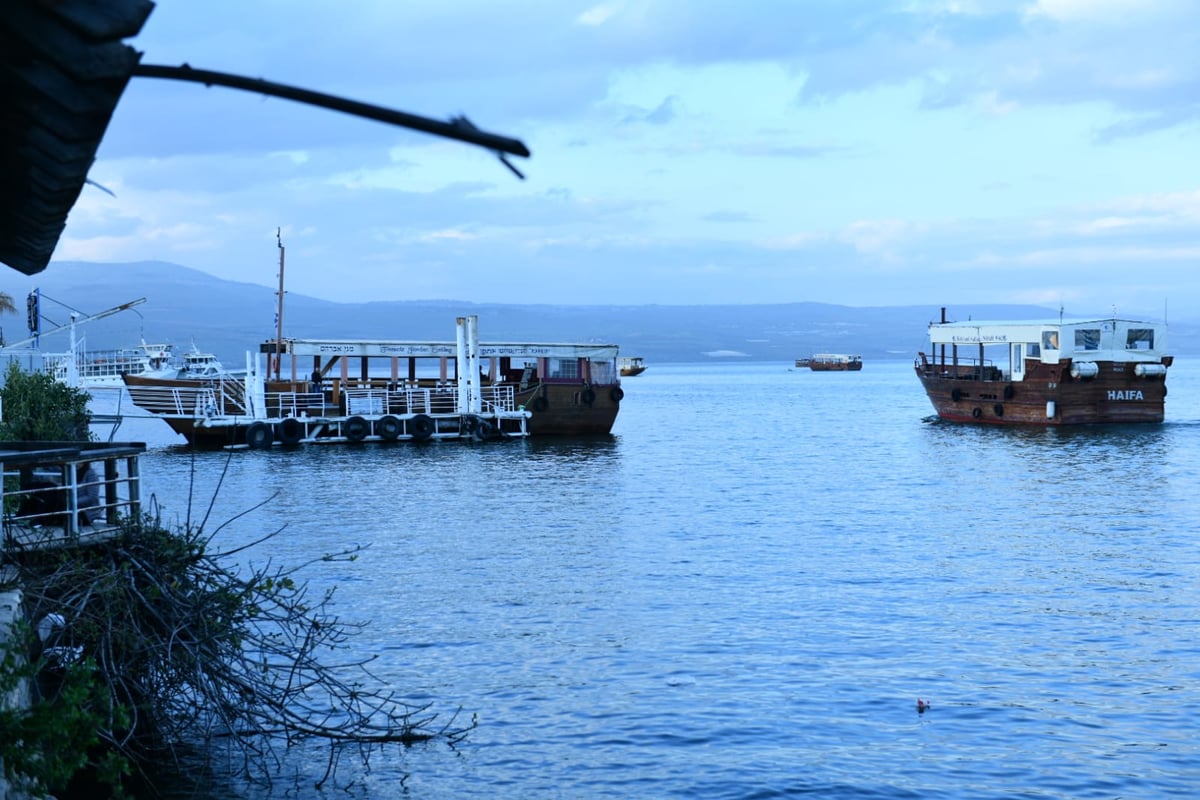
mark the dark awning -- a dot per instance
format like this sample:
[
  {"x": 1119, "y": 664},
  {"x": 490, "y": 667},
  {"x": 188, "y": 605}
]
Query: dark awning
[{"x": 63, "y": 67}]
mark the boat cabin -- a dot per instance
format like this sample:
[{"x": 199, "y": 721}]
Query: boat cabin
[{"x": 1006, "y": 350}]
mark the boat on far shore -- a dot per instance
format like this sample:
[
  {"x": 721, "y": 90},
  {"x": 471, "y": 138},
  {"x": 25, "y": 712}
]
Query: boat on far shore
[
  {"x": 831, "y": 362},
  {"x": 632, "y": 365},
  {"x": 1046, "y": 372}
]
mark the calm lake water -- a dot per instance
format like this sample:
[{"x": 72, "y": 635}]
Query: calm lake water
[{"x": 743, "y": 592}]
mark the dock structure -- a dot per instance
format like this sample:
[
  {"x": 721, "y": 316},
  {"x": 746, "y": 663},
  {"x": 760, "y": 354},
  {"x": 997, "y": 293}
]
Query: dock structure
[
  {"x": 352, "y": 391},
  {"x": 56, "y": 494}
]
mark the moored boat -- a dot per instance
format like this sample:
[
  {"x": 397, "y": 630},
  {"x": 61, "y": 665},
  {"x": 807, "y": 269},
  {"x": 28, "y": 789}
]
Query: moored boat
[
  {"x": 632, "y": 365},
  {"x": 831, "y": 362},
  {"x": 1046, "y": 372},
  {"x": 198, "y": 364},
  {"x": 93, "y": 369},
  {"x": 320, "y": 390}
]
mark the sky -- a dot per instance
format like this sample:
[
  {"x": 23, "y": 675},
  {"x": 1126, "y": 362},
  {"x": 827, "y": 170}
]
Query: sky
[{"x": 857, "y": 152}]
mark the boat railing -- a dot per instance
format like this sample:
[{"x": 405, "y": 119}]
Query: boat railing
[
  {"x": 498, "y": 398},
  {"x": 398, "y": 399},
  {"x": 965, "y": 368},
  {"x": 219, "y": 398}
]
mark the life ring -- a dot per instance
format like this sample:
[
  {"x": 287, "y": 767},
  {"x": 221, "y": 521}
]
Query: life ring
[
  {"x": 588, "y": 396},
  {"x": 956, "y": 395},
  {"x": 422, "y": 427},
  {"x": 977, "y": 412},
  {"x": 1009, "y": 392},
  {"x": 999, "y": 409},
  {"x": 290, "y": 431},
  {"x": 617, "y": 394},
  {"x": 356, "y": 429},
  {"x": 259, "y": 436},
  {"x": 540, "y": 403},
  {"x": 388, "y": 428}
]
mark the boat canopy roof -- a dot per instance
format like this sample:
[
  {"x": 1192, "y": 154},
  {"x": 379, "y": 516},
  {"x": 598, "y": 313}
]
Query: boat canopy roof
[
  {"x": 386, "y": 348},
  {"x": 1135, "y": 337}
]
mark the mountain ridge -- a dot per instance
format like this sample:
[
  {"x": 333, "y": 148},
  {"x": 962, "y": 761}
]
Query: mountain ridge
[{"x": 228, "y": 318}]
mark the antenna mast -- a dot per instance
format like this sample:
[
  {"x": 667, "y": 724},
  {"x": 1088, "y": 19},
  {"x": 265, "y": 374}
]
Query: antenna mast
[{"x": 279, "y": 311}]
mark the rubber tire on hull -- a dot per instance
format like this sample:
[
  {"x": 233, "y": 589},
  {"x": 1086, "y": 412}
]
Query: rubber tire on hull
[
  {"x": 259, "y": 436},
  {"x": 422, "y": 427},
  {"x": 588, "y": 396},
  {"x": 389, "y": 428},
  {"x": 617, "y": 394},
  {"x": 290, "y": 431},
  {"x": 356, "y": 429}
]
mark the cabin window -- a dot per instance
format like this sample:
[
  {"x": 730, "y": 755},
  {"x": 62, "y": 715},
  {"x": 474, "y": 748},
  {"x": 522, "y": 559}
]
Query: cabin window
[
  {"x": 1139, "y": 339},
  {"x": 1050, "y": 340},
  {"x": 1035, "y": 350},
  {"x": 602, "y": 372},
  {"x": 565, "y": 368},
  {"x": 1087, "y": 339}
]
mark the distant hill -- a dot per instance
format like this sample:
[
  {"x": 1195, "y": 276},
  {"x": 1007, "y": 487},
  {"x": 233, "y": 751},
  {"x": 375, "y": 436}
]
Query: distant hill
[{"x": 228, "y": 318}]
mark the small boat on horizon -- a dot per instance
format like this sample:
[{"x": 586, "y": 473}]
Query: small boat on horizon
[
  {"x": 1046, "y": 372},
  {"x": 632, "y": 365}
]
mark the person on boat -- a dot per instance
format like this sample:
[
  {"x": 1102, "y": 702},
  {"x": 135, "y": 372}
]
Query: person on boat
[
  {"x": 316, "y": 381},
  {"x": 87, "y": 493}
]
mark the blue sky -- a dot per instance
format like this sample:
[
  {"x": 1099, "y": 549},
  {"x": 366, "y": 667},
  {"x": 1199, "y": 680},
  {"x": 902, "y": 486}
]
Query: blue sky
[{"x": 859, "y": 152}]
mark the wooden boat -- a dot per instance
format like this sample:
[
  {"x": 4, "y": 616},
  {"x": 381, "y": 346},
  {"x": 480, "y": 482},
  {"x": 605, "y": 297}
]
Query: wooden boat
[
  {"x": 632, "y": 365},
  {"x": 320, "y": 390},
  {"x": 831, "y": 362},
  {"x": 1052, "y": 372}
]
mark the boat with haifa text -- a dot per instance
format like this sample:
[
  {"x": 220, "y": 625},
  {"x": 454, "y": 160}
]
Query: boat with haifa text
[{"x": 1046, "y": 372}]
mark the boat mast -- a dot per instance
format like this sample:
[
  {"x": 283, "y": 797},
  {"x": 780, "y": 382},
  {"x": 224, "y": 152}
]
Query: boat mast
[{"x": 279, "y": 311}]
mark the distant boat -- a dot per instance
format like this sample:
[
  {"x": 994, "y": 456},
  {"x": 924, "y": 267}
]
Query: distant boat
[
  {"x": 96, "y": 369},
  {"x": 198, "y": 364},
  {"x": 1046, "y": 372},
  {"x": 631, "y": 365},
  {"x": 831, "y": 362}
]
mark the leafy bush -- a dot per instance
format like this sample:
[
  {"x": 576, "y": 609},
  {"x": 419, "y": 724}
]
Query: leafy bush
[{"x": 37, "y": 408}]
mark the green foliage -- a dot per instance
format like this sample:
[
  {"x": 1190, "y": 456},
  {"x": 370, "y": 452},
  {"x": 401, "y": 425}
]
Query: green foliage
[
  {"x": 200, "y": 651},
  {"x": 39, "y": 408},
  {"x": 45, "y": 745}
]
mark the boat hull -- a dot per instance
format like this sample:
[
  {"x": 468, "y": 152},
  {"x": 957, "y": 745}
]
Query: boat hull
[
  {"x": 213, "y": 413},
  {"x": 1047, "y": 395},
  {"x": 571, "y": 409},
  {"x": 853, "y": 366}
]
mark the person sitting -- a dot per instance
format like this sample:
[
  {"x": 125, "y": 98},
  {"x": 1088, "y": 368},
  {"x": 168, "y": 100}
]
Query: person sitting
[{"x": 87, "y": 493}]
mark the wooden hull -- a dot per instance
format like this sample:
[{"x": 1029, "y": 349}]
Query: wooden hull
[
  {"x": 853, "y": 366},
  {"x": 212, "y": 413},
  {"x": 629, "y": 372},
  {"x": 1048, "y": 395},
  {"x": 571, "y": 409}
]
